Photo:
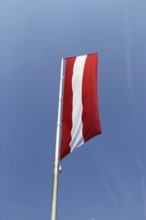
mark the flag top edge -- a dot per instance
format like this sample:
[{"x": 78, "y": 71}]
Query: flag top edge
[{"x": 80, "y": 56}]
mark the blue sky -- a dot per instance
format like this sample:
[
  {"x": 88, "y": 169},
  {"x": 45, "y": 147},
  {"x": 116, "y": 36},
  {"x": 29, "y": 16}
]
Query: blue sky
[{"x": 105, "y": 178}]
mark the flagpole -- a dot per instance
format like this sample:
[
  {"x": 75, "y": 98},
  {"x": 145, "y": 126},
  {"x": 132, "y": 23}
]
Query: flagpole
[{"x": 57, "y": 149}]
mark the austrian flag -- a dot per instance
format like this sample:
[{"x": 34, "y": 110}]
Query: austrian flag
[{"x": 80, "y": 116}]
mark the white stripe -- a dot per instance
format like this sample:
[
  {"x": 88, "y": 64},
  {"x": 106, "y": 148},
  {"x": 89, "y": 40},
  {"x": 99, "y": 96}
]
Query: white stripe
[{"x": 77, "y": 125}]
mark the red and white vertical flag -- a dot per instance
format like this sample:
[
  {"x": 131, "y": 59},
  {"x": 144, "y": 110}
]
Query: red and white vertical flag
[{"x": 80, "y": 117}]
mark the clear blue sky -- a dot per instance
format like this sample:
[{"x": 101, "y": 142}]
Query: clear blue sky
[{"x": 105, "y": 179}]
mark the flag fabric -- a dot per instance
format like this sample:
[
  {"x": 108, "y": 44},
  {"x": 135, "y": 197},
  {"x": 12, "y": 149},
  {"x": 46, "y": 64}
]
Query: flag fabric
[{"x": 80, "y": 116}]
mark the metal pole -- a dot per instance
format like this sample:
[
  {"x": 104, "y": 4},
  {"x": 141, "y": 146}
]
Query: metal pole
[{"x": 57, "y": 150}]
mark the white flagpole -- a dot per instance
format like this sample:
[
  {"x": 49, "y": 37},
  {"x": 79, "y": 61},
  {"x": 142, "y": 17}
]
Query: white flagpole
[{"x": 57, "y": 149}]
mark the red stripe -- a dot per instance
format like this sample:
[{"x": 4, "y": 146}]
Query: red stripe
[
  {"x": 67, "y": 108},
  {"x": 90, "y": 115}
]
